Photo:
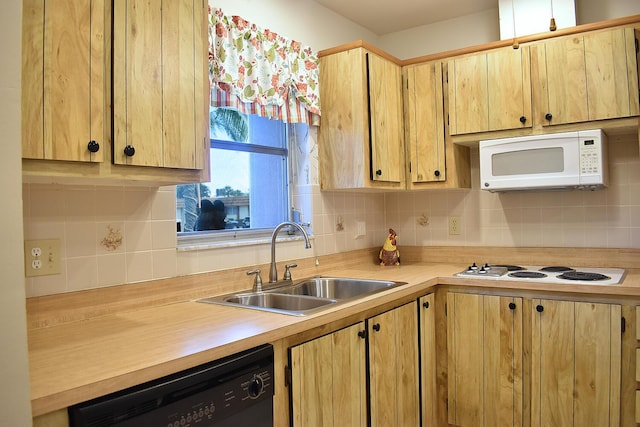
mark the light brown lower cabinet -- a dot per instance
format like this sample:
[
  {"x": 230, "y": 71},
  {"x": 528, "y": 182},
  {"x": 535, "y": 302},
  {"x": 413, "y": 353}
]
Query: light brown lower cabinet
[
  {"x": 485, "y": 360},
  {"x": 517, "y": 361},
  {"x": 575, "y": 364},
  {"x": 329, "y": 374}
]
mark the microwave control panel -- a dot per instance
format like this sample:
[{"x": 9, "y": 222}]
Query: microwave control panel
[{"x": 590, "y": 159}]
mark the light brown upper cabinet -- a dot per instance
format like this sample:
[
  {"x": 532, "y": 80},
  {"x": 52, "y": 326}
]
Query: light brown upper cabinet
[
  {"x": 585, "y": 77},
  {"x": 63, "y": 80},
  {"x": 361, "y": 138},
  {"x": 160, "y": 87},
  {"x": 423, "y": 123},
  {"x": 489, "y": 91}
]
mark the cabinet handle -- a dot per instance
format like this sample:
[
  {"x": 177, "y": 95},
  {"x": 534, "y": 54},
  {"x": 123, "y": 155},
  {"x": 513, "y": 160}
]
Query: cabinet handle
[
  {"x": 93, "y": 146},
  {"x": 362, "y": 334},
  {"x": 436, "y": 173},
  {"x": 376, "y": 327},
  {"x": 548, "y": 116},
  {"x": 379, "y": 172},
  {"x": 426, "y": 304},
  {"x": 523, "y": 119},
  {"x": 539, "y": 308},
  {"x": 512, "y": 305},
  {"x": 129, "y": 151}
]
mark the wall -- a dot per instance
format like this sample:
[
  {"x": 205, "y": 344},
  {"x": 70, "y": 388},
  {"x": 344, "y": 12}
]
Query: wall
[
  {"x": 15, "y": 406},
  {"x": 608, "y": 218},
  {"x": 304, "y": 21},
  {"x": 588, "y": 11},
  {"x": 469, "y": 30}
]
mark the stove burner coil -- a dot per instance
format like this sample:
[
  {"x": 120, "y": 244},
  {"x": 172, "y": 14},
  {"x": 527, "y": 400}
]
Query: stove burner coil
[
  {"x": 582, "y": 275},
  {"x": 528, "y": 275},
  {"x": 556, "y": 269}
]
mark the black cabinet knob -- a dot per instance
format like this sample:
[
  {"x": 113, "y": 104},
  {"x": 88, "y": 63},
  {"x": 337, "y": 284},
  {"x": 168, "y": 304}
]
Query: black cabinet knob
[
  {"x": 512, "y": 305},
  {"x": 539, "y": 308},
  {"x": 362, "y": 334},
  {"x": 129, "y": 151},
  {"x": 548, "y": 116},
  {"x": 379, "y": 172},
  {"x": 523, "y": 119},
  {"x": 376, "y": 327},
  {"x": 93, "y": 146},
  {"x": 436, "y": 173},
  {"x": 426, "y": 304}
]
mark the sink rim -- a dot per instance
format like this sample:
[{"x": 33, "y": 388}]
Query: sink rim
[
  {"x": 282, "y": 291},
  {"x": 324, "y": 303}
]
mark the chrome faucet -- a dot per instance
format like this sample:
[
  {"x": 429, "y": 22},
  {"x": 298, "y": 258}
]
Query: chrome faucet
[{"x": 273, "y": 271}]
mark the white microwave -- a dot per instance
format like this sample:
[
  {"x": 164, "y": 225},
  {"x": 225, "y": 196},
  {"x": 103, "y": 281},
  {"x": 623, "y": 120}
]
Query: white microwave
[{"x": 559, "y": 161}]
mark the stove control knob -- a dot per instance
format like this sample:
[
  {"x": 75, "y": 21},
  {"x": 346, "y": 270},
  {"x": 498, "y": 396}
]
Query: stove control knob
[
  {"x": 487, "y": 267},
  {"x": 473, "y": 267},
  {"x": 483, "y": 270},
  {"x": 256, "y": 386}
]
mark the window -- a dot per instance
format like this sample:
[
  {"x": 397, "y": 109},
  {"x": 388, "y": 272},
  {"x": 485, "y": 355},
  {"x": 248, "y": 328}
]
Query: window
[{"x": 249, "y": 188}]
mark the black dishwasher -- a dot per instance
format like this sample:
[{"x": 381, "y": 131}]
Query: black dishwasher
[{"x": 231, "y": 392}]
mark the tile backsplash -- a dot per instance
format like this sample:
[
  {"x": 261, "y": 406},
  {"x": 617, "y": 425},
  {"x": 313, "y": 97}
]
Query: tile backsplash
[{"x": 117, "y": 235}]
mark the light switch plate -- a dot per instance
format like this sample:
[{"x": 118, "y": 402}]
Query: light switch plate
[{"x": 41, "y": 257}]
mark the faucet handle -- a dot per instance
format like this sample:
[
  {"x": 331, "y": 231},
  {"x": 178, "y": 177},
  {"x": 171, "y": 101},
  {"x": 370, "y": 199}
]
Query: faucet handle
[
  {"x": 257, "y": 281},
  {"x": 287, "y": 272}
]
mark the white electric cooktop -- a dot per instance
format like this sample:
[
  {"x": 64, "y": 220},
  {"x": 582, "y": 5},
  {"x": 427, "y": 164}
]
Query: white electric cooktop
[{"x": 546, "y": 274}]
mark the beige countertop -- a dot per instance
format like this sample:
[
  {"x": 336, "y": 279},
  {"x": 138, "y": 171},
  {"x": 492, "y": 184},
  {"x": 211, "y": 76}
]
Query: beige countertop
[{"x": 74, "y": 361}]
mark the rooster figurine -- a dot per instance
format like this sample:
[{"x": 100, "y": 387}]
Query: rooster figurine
[{"x": 389, "y": 254}]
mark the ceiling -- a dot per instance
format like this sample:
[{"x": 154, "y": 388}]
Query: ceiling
[{"x": 384, "y": 16}]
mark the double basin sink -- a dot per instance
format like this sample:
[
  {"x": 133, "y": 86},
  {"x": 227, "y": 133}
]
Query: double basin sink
[{"x": 306, "y": 296}]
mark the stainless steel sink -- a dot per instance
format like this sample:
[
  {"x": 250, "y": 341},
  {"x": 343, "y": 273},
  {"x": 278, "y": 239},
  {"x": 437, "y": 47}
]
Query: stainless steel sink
[
  {"x": 306, "y": 296},
  {"x": 297, "y": 305},
  {"x": 338, "y": 288}
]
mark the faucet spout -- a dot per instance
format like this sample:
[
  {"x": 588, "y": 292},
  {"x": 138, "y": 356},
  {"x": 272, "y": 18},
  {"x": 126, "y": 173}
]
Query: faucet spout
[{"x": 273, "y": 271}]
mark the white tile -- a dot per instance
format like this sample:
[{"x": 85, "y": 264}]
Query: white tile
[
  {"x": 138, "y": 204},
  {"x": 79, "y": 204},
  {"x": 139, "y": 266},
  {"x": 164, "y": 206},
  {"x": 165, "y": 264},
  {"x": 82, "y": 273},
  {"x": 109, "y": 204},
  {"x": 80, "y": 239},
  {"x": 110, "y": 237},
  {"x": 111, "y": 269},
  {"x": 163, "y": 234},
  {"x": 138, "y": 236}
]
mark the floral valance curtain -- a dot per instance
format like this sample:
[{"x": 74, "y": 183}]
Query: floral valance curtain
[{"x": 260, "y": 72}]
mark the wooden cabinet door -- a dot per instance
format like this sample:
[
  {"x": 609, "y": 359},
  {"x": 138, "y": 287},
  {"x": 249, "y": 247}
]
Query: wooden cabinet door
[
  {"x": 485, "y": 360},
  {"x": 328, "y": 386},
  {"x": 343, "y": 136},
  {"x": 428, "y": 369},
  {"x": 575, "y": 360},
  {"x": 424, "y": 123},
  {"x": 386, "y": 123},
  {"x": 489, "y": 91},
  {"x": 586, "y": 77},
  {"x": 63, "y": 80},
  {"x": 160, "y": 89},
  {"x": 393, "y": 368}
]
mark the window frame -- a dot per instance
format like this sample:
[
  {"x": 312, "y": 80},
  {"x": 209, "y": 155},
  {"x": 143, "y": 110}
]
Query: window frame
[{"x": 187, "y": 240}]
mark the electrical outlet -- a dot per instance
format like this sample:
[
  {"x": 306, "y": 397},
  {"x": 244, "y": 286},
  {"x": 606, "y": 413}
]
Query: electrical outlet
[
  {"x": 454, "y": 225},
  {"x": 41, "y": 257}
]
